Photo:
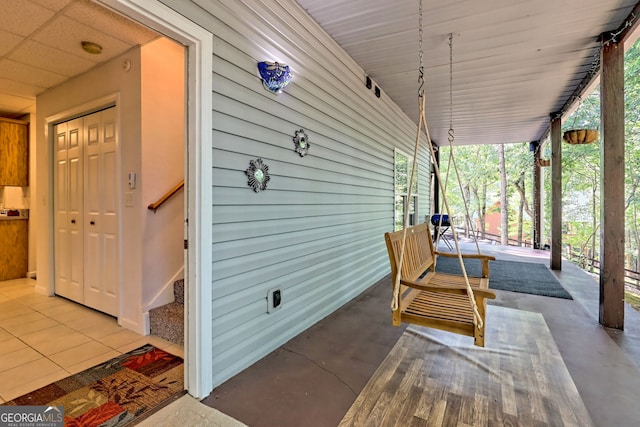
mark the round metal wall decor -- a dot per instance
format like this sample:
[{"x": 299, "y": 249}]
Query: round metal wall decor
[
  {"x": 258, "y": 174},
  {"x": 301, "y": 142}
]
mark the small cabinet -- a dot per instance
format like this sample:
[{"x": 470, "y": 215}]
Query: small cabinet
[
  {"x": 14, "y": 243},
  {"x": 14, "y": 153}
]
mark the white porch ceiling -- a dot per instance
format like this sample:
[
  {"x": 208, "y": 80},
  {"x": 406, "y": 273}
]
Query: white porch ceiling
[{"x": 514, "y": 61}]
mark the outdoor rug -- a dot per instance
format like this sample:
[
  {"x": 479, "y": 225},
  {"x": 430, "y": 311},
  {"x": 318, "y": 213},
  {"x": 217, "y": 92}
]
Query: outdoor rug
[
  {"x": 524, "y": 277},
  {"x": 116, "y": 393}
]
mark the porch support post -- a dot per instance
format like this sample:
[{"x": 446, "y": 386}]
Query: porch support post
[
  {"x": 556, "y": 192},
  {"x": 537, "y": 191},
  {"x": 612, "y": 186},
  {"x": 436, "y": 181}
]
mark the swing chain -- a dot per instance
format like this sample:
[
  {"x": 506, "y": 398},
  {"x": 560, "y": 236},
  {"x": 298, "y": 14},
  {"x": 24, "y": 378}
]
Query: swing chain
[
  {"x": 451, "y": 132},
  {"x": 421, "y": 68}
]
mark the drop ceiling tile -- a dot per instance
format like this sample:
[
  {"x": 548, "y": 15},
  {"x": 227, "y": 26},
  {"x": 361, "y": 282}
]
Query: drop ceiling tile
[
  {"x": 66, "y": 34},
  {"x": 13, "y": 103},
  {"x": 47, "y": 58},
  {"x": 22, "y": 17},
  {"x": 116, "y": 25},
  {"x": 21, "y": 90},
  {"x": 8, "y": 41},
  {"x": 28, "y": 74}
]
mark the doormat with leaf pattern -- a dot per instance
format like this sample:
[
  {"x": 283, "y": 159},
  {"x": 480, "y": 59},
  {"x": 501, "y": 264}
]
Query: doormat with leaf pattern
[{"x": 118, "y": 392}]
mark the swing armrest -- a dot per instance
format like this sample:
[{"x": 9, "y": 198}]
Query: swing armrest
[
  {"x": 483, "y": 258},
  {"x": 450, "y": 289},
  {"x": 470, "y": 256}
]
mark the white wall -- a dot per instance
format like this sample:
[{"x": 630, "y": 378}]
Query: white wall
[
  {"x": 108, "y": 81},
  {"x": 163, "y": 142},
  {"x": 317, "y": 231}
]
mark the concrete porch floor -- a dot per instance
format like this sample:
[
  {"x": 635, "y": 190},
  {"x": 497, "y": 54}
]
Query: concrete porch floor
[{"x": 313, "y": 379}]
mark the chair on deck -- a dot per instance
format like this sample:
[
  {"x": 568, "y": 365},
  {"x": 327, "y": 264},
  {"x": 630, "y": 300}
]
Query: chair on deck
[{"x": 439, "y": 228}]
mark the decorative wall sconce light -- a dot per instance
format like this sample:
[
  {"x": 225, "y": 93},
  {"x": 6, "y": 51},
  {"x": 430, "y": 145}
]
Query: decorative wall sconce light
[
  {"x": 258, "y": 174},
  {"x": 301, "y": 142},
  {"x": 275, "y": 76}
]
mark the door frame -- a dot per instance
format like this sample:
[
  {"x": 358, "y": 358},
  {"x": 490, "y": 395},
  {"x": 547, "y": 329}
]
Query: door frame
[{"x": 198, "y": 180}]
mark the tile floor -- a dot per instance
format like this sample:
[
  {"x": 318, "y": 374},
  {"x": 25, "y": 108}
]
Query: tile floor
[{"x": 44, "y": 339}]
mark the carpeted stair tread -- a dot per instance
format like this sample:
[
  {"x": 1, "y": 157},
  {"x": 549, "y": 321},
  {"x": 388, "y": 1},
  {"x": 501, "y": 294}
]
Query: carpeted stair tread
[
  {"x": 178, "y": 291},
  {"x": 167, "y": 322}
]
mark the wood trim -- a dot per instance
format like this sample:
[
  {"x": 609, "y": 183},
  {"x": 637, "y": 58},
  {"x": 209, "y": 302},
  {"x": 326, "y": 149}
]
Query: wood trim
[
  {"x": 15, "y": 121},
  {"x": 156, "y": 205},
  {"x": 626, "y": 30}
]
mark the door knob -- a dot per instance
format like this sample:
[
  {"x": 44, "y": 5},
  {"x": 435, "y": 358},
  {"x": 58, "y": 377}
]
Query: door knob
[
  {"x": 92, "y": 223},
  {"x": 73, "y": 221}
]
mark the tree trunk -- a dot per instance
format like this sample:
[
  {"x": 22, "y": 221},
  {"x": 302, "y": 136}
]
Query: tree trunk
[
  {"x": 594, "y": 225},
  {"x": 468, "y": 221},
  {"x": 484, "y": 210},
  {"x": 481, "y": 200},
  {"x": 504, "y": 207},
  {"x": 636, "y": 233},
  {"x": 521, "y": 211}
]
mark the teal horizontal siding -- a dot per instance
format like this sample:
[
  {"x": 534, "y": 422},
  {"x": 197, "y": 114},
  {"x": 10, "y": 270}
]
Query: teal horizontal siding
[{"x": 317, "y": 231}]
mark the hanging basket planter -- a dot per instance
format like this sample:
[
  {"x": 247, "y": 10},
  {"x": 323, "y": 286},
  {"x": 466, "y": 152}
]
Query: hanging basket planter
[{"x": 581, "y": 136}]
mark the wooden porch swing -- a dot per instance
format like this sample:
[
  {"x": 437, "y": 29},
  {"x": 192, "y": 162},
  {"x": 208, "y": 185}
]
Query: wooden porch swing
[{"x": 422, "y": 296}]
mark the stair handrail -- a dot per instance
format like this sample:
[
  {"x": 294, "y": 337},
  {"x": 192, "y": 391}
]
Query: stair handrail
[{"x": 154, "y": 206}]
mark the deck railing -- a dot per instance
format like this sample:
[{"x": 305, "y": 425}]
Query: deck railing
[{"x": 590, "y": 265}]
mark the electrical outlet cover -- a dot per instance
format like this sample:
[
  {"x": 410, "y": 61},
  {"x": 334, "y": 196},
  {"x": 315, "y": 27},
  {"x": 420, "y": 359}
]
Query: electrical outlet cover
[{"x": 274, "y": 300}]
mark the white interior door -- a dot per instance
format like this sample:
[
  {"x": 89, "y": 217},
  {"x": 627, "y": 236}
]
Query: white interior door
[
  {"x": 89, "y": 204},
  {"x": 68, "y": 206}
]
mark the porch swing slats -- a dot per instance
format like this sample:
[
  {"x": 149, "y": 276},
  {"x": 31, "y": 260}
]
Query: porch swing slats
[{"x": 432, "y": 299}]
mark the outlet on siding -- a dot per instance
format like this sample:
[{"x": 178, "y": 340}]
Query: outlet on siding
[{"x": 274, "y": 300}]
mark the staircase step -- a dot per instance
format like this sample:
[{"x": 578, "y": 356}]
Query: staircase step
[
  {"x": 167, "y": 322},
  {"x": 178, "y": 291}
]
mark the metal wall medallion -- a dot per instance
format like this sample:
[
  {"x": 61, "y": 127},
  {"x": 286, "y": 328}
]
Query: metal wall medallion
[
  {"x": 258, "y": 174},
  {"x": 275, "y": 76},
  {"x": 301, "y": 142}
]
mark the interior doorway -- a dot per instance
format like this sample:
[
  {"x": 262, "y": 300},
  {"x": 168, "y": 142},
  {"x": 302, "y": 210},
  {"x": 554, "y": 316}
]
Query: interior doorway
[
  {"x": 71, "y": 61},
  {"x": 198, "y": 181}
]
